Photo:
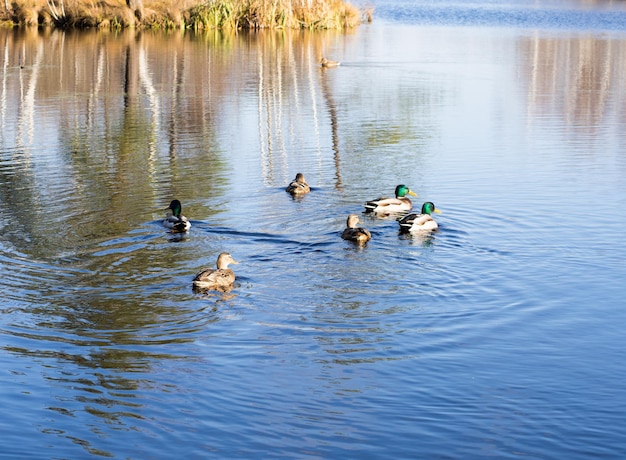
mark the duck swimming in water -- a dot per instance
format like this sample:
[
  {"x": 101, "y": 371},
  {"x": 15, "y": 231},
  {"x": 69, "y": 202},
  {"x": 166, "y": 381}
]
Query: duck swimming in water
[
  {"x": 327, "y": 64},
  {"x": 220, "y": 279},
  {"x": 422, "y": 222},
  {"x": 354, "y": 233},
  {"x": 298, "y": 186},
  {"x": 174, "y": 220},
  {"x": 386, "y": 206}
]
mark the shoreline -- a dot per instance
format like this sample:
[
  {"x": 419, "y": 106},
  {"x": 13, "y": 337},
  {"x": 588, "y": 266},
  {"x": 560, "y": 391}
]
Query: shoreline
[{"x": 186, "y": 14}]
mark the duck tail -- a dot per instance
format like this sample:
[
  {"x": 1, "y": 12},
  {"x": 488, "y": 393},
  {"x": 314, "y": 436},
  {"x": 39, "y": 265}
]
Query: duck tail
[
  {"x": 370, "y": 206},
  {"x": 407, "y": 221},
  {"x": 179, "y": 227}
]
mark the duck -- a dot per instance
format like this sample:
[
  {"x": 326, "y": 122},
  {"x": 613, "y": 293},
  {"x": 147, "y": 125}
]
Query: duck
[
  {"x": 326, "y": 63},
  {"x": 422, "y": 222},
  {"x": 174, "y": 220},
  {"x": 354, "y": 233},
  {"x": 220, "y": 279},
  {"x": 386, "y": 206},
  {"x": 298, "y": 186}
]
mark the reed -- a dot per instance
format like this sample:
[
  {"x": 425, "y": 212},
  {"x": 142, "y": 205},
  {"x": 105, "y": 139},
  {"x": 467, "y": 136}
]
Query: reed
[
  {"x": 262, "y": 14},
  {"x": 192, "y": 14},
  {"x": 79, "y": 14}
]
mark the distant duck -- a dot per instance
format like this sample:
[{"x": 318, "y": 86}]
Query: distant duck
[
  {"x": 386, "y": 206},
  {"x": 220, "y": 279},
  {"x": 298, "y": 186},
  {"x": 422, "y": 222},
  {"x": 326, "y": 63},
  {"x": 354, "y": 233},
  {"x": 174, "y": 220}
]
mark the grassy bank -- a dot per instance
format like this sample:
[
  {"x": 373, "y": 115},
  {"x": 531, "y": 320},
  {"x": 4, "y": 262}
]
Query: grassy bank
[{"x": 172, "y": 14}]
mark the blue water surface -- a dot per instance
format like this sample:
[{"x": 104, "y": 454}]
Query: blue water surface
[
  {"x": 547, "y": 15},
  {"x": 498, "y": 336}
]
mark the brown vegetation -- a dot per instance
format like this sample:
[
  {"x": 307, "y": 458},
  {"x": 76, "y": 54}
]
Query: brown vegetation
[{"x": 195, "y": 14}]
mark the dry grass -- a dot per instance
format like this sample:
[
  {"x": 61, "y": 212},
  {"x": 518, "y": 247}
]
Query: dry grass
[
  {"x": 198, "y": 15},
  {"x": 259, "y": 14}
]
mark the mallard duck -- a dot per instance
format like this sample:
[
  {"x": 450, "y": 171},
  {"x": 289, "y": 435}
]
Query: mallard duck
[
  {"x": 326, "y": 63},
  {"x": 387, "y": 206},
  {"x": 174, "y": 220},
  {"x": 422, "y": 222},
  {"x": 298, "y": 186},
  {"x": 354, "y": 233},
  {"x": 220, "y": 279}
]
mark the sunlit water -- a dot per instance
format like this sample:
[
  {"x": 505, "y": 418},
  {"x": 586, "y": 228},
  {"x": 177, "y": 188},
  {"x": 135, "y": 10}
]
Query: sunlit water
[{"x": 500, "y": 335}]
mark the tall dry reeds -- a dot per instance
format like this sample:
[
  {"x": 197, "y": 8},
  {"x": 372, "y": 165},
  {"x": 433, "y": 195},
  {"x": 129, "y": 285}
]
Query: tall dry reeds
[
  {"x": 70, "y": 13},
  {"x": 261, "y": 14},
  {"x": 194, "y": 14}
]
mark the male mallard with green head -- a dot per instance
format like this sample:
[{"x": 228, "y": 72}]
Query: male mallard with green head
[
  {"x": 354, "y": 233},
  {"x": 422, "y": 222},
  {"x": 387, "y": 206},
  {"x": 174, "y": 220},
  {"x": 220, "y": 279},
  {"x": 298, "y": 186}
]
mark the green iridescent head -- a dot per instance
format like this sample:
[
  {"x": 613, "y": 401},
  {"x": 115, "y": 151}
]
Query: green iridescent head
[
  {"x": 176, "y": 208},
  {"x": 429, "y": 207},
  {"x": 402, "y": 190}
]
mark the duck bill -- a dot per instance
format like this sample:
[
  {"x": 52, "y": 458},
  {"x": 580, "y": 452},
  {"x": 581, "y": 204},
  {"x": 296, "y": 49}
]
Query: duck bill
[
  {"x": 437, "y": 211},
  {"x": 412, "y": 193}
]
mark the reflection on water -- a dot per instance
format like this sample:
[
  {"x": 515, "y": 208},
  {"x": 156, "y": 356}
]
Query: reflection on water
[
  {"x": 323, "y": 348},
  {"x": 575, "y": 79},
  {"x": 123, "y": 138}
]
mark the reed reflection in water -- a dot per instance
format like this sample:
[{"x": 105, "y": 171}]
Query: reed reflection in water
[{"x": 323, "y": 349}]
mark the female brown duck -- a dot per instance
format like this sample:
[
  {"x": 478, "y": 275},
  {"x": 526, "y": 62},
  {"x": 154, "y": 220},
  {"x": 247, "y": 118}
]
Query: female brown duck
[
  {"x": 353, "y": 233},
  {"x": 220, "y": 279},
  {"x": 298, "y": 186}
]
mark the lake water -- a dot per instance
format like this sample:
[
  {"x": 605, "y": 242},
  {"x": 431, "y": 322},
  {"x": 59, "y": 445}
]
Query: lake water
[{"x": 499, "y": 336}]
